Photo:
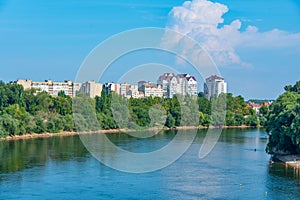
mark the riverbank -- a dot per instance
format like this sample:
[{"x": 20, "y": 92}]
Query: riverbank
[
  {"x": 110, "y": 131},
  {"x": 291, "y": 160}
]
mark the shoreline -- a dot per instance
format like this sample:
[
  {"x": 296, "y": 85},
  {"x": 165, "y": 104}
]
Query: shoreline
[
  {"x": 28, "y": 136},
  {"x": 291, "y": 160}
]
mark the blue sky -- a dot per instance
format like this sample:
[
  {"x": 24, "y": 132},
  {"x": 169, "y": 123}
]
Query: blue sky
[{"x": 50, "y": 39}]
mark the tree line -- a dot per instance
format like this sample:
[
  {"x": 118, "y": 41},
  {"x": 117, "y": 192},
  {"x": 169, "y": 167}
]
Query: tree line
[{"x": 31, "y": 111}]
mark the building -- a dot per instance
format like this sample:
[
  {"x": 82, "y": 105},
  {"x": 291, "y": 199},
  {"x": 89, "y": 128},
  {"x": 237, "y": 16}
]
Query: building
[
  {"x": 53, "y": 88},
  {"x": 182, "y": 84},
  {"x": 167, "y": 86},
  {"x": 91, "y": 88},
  {"x": 150, "y": 90},
  {"x": 188, "y": 85},
  {"x": 214, "y": 86},
  {"x": 128, "y": 91},
  {"x": 257, "y": 106},
  {"x": 76, "y": 88},
  {"x": 112, "y": 87},
  {"x": 164, "y": 81},
  {"x": 192, "y": 86}
]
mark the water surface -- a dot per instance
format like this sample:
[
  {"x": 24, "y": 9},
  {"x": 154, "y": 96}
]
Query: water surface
[{"x": 61, "y": 168}]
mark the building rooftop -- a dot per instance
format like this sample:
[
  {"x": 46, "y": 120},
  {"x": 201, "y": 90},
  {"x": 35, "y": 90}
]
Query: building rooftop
[{"x": 214, "y": 77}]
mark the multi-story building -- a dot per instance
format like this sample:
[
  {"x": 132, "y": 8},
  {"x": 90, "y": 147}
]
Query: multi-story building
[
  {"x": 112, "y": 87},
  {"x": 164, "y": 80},
  {"x": 173, "y": 87},
  {"x": 150, "y": 89},
  {"x": 53, "y": 88},
  {"x": 188, "y": 85},
  {"x": 76, "y": 88},
  {"x": 182, "y": 84},
  {"x": 91, "y": 88},
  {"x": 167, "y": 86},
  {"x": 128, "y": 91},
  {"x": 192, "y": 86},
  {"x": 214, "y": 86}
]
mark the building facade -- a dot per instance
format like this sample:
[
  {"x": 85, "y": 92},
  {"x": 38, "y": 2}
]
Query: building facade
[
  {"x": 182, "y": 84},
  {"x": 167, "y": 86},
  {"x": 53, "y": 88},
  {"x": 150, "y": 90},
  {"x": 91, "y": 88},
  {"x": 128, "y": 91},
  {"x": 112, "y": 87},
  {"x": 164, "y": 81},
  {"x": 214, "y": 86}
]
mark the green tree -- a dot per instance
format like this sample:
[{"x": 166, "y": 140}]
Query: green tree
[
  {"x": 283, "y": 122},
  {"x": 239, "y": 120},
  {"x": 264, "y": 110},
  {"x": 252, "y": 120},
  {"x": 170, "y": 121},
  {"x": 10, "y": 126}
]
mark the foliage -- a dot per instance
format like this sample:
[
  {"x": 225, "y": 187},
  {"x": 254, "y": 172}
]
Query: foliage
[
  {"x": 31, "y": 111},
  {"x": 283, "y": 123}
]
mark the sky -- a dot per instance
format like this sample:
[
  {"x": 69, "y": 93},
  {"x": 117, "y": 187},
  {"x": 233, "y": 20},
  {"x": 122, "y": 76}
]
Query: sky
[{"x": 254, "y": 43}]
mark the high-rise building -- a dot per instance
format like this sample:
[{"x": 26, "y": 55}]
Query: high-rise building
[
  {"x": 188, "y": 85},
  {"x": 112, "y": 87},
  {"x": 164, "y": 81},
  {"x": 214, "y": 86},
  {"x": 76, "y": 88},
  {"x": 91, "y": 88}
]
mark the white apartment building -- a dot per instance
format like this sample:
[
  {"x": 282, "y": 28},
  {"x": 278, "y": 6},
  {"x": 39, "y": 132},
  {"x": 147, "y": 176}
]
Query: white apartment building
[
  {"x": 164, "y": 80},
  {"x": 128, "y": 91},
  {"x": 53, "y": 88},
  {"x": 188, "y": 85},
  {"x": 214, "y": 86},
  {"x": 192, "y": 86},
  {"x": 182, "y": 84},
  {"x": 149, "y": 89}
]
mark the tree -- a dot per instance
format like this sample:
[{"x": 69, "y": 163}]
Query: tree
[
  {"x": 204, "y": 105},
  {"x": 10, "y": 126},
  {"x": 230, "y": 118},
  {"x": 239, "y": 120},
  {"x": 284, "y": 122},
  {"x": 264, "y": 110},
  {"x": 62, "y": 104},
  {"x": 252, "y": 120},
  {"x": 170, "y": 121}
]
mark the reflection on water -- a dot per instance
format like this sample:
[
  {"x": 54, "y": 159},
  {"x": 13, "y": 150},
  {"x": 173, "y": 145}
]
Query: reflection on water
[
  {"x": 23, "y": 154},
  {"x": 61, "y": 168},
  {"x": 284, "y": 170}
]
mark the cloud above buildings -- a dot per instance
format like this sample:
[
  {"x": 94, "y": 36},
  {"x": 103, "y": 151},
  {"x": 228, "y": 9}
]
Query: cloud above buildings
[{"x": 203, "y": 21}]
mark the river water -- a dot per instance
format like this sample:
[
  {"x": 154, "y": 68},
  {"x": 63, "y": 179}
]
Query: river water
[{"x": 62, "y": 168}]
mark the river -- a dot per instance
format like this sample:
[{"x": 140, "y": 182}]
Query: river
[{"x": 62, "y": 168}]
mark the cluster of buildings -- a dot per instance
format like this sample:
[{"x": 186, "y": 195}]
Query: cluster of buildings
[
  {"x": 257, "y": 106},
  {"x": 70, "y": 88},
  {"x": 168, "y": 85}
]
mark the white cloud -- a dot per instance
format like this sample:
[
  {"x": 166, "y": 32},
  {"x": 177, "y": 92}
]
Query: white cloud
[{"x": 203, "y": 21}]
